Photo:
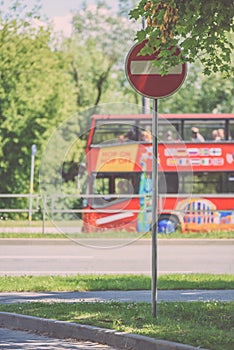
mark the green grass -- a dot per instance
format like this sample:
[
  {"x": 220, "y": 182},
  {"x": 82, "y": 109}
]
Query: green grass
[
  {"x": 121, "y": 235},
  {"x": 24, "y": 223},
  {"x": 37, "y": 223},
  {"x": 105, "y": 234},
  {"x": 203, "y": 235},
  {"x": 202, "y": 324},
  {"x": 113, "y": 282},
  {"x": 33, "y": 235}
]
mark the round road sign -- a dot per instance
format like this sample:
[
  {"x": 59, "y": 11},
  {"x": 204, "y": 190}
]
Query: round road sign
[{"x": 145, "y": 78}]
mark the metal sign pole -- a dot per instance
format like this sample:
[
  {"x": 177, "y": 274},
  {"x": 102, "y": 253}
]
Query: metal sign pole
[
  {"x": 34, "y": 151},
  {"x": 154, "y": 227}
]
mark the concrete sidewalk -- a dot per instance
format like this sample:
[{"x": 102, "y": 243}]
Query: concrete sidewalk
[{"x": 121, "y": 296}]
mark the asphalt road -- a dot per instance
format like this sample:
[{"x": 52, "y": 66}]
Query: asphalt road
[
  {"x": 46, "y": 257},
  {"x": 133, "y": 296}
]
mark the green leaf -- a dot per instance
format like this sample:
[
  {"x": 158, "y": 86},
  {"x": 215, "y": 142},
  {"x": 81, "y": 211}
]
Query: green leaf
[
  {"x": 202, "y": 28},
  {"x": 141, "y": 35},
  {"x": 134, "y": 14}
]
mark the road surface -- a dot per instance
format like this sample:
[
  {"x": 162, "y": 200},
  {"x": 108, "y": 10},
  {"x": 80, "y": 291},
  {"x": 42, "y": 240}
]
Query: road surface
[{"x": 53, "y": 257}]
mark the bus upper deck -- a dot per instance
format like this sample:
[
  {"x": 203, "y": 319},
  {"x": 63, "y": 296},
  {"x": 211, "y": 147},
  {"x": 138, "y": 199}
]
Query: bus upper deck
[{"x": 106, "y": 128}]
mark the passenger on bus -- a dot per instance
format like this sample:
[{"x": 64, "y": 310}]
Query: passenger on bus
[
  {"x": 146, "y": 136},
  {"x": 215, "y": 136},
  {"x": 196, "y": 136},
  {"x": 121, "y": 138},
  {"x": 221, "y": 134},
  {"x": 123, "y": 187},
  {"x": 131, "y": 135},
  {"x": 169, "y": 136}
]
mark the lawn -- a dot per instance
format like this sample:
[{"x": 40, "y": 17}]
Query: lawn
[
  {"x": 113, "y": 282},
  {"x": 203, "y": 324},
  {"x": 21, "y": 225},
  {"x": 116, "y": 234}
]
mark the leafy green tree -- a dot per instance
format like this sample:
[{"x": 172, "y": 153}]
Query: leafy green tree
[
  {"x": 201, "y": 94},
  {"x": 200, "y": 28},
  {"x": 43, "y": 82},
  {"x": 36, "y": 94},
  {"x": 96, "y": 51}
]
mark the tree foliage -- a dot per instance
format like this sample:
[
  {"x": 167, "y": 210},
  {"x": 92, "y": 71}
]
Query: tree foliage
[
  {"x": 201, "y": 94},
  {"x": 35, "y": 95},
  {"x": 200, "y": 28},
  {"x": 43, "y": 83},
  {"x": 96, "y": 50}
]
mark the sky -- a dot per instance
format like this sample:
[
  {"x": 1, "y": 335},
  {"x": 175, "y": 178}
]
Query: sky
[
  {"x": 59, "y": 11},
  {"x": 54, "y": 8},
  {"x": 62, "y": 7}
]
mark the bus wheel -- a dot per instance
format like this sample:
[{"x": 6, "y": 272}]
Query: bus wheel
[{"x": 167, "y": 224}]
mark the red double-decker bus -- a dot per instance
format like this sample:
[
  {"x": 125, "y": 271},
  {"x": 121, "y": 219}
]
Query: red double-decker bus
[{"x": 195, "y": 179}]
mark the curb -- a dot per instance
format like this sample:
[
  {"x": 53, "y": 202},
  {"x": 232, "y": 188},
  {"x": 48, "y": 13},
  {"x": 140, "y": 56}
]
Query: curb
[{"x": 64, "y": 330}]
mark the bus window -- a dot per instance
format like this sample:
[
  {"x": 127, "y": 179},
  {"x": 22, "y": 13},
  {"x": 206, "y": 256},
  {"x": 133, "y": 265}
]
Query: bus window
[
  {"x": 110, "y": 132},
  {"x": 110, "y": 184},
  {"x": 172, "y": 182},
  {"x": 130, "y": 135},
  {"x": 230, "y": 183},
  {"x": 231, "y": 130},
  {"x": 206, "y": 128},
  {"x": 101, "y": 186},
  {"x": 145, "y": 125},
  {"x": 123, "y": 186},
  {"x": 169, "y": 131},
  {"x": 164, "y": 126},
  {"x": 211, "y": 183},
  {"x": 168, "y": 183},
  {"x": 185, "y": 183}
]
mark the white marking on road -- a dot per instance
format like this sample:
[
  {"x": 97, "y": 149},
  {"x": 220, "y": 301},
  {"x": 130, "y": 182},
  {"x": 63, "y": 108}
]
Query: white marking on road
[
  {"x": 174, "y": 271},
  {"x": 51, "y": 257},
  {"x": 35, "y": 272}
]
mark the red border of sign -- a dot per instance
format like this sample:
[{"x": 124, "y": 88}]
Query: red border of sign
[{"x": 153, "y": 96}]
